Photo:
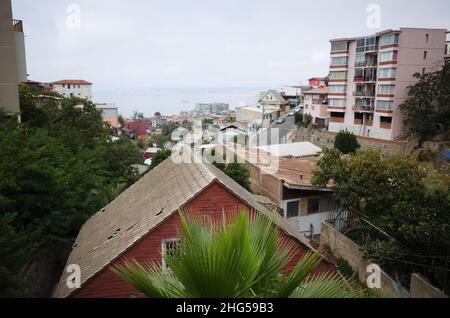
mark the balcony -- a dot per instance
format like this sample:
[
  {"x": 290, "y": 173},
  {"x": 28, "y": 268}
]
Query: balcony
[
  {"x": 17, "y": 25},
  {"x": 364, "y": 109},
  {"x": 364, "y": 93}
]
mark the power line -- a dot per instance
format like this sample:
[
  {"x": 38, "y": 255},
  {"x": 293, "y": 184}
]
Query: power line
[{"x": 417, "y": 264}]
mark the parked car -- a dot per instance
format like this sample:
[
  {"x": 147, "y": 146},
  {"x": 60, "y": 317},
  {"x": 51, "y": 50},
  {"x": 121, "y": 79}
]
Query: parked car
[
  {"x": 280, "y": 121},
  {"x": 291, "y": 113}
]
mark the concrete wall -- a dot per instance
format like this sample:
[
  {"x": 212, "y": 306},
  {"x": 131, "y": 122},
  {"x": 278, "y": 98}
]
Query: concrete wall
[
  {"x": 326, "y": 139},
  {"x": 9, "y": 77},
  {"x": 421, "y": 288},
  {"x": 343, "y": 247}
]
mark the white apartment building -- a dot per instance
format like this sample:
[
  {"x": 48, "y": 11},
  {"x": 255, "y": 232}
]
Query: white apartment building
[
  {"x": 370, "y": 76},
  {"x": 73, "y": 88},
  {"x": 13, "y": 70}
]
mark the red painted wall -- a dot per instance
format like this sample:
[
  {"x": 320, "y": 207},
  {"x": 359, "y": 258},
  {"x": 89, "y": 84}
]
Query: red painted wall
[{"x": 211, "y": 203}]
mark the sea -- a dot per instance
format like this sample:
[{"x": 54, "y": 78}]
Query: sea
[{"x": 171, "y": 101}]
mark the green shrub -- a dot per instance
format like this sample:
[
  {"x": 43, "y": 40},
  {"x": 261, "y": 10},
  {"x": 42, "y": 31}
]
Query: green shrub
[
  {"x": 346, "y": 142},
  {"x": 344, "y": 268},
  {"x": 307, "y": 120}
]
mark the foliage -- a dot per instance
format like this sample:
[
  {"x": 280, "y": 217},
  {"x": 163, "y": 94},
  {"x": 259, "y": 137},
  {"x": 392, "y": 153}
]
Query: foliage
[
  {"x": 57, "y": 168},
  {"x": 344, "y": 268},
  {"x": 307, "y": 120},
  {"x": 238, "y": 258},
  {"x": 299, "y": 118},
  {"x": 427, "y": 110},
  {"x": 157, "y": 114},
  {"x": 408, "y": 201},
  {"x": 346, "y": 142},
  {"x": 159, "y": 157},
  {"x": 137, "y": 115}
]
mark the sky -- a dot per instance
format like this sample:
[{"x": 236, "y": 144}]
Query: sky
[{"x": 160, "y": 55}]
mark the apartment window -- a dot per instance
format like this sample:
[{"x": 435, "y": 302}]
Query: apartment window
[
  {"x": 168, "y": 248},
  {"x": 337, "y": 117},
  {"x": 425, "y": 54},
  {"x": 338, "y": 46},
  {"x": 337, "y": 89},
  {"x": 387, "y": 73},
  {"x": 389, "y": 39},
  {"x": 366, "y": 44},
  {"x": 386, "y": 89},
  {"x": 385, "y": 122},
  {"x": 335, "y": 102},
  {"x": 339, "y": 60},
  {"x": 358, "y": 119},
  {"x": 385, "y": 104},
  {"x": 313, "y": 206},
  {"x": 293, "y": 209},
  {"x": 427, "y": 36},
  {"x": 338, "y": 75},
  {"x": 388, "y": 56}
]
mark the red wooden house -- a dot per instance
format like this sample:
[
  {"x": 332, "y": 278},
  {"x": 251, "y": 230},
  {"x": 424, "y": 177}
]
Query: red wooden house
[{"x": 139, "y": 223}]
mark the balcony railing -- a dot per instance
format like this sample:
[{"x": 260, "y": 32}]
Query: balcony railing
[
  {"x": 364, "y": 93},
  {"x": 364, "y": 109},
  {"x": 17, "y": 25}
]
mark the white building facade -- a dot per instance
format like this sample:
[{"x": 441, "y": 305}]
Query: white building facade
[{"x": 73, "y": 88}]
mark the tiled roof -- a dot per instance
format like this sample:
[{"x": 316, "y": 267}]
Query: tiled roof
[
  {"x": 81, "y": 82},
  {"x": 143, "y": 206}
]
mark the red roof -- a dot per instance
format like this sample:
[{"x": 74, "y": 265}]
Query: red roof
[{"x": 81, "y": 82}]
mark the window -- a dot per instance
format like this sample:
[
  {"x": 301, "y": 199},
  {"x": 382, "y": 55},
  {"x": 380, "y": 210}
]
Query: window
[
  {"x": 313, "y": 206},
  {"x": 366, "y": 44},
  {"x": 293, "y": 209},
  {"x": 338, "y": 46},
  {"x": 385, "y": 122},
  {"x": 389, "y": 39},
  {"x": 168, "y": 248},
  {"x": 425, "y": 53},
  {"x": 388, "y": 56},
  {"x": 385, "y": 104},
  {"x": 338, "y": 75},
  {"x": 68, "y": 86},
  {"x": 339, "y": 60},
  {"x": 358, "y": 119},
  {"x": 64, "y": 85},
  {"x": 337, "y": 89},
  {"x": 335, "y": 102},
  {"x": 387, "y": 72},
  {"x": 427, "y": 36},
  {"x": 386, "y": 89}
]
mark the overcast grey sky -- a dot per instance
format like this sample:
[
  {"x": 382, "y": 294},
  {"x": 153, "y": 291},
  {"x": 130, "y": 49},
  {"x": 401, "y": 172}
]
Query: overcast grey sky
[{"x": 200, "y": 44}]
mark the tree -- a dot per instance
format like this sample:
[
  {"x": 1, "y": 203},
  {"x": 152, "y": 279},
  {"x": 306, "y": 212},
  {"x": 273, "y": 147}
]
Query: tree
[
  {"x": 238, "y": 258},
  {"x": 239, "y": 173},
  {"x": 57, "y": 168},
  {"x": 137, "y": 115},
  {"x": 159, "y": 157},
  {"x": 157, "y": 114},
  {"x": 307, "y": 120},
  {"x": 299, "y": 118},
  {"x": 346, "y": 142},
  {"x": 395, "y": 194},
  {"x": 427, "y": 110}
]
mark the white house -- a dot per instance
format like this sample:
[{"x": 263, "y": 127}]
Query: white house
[
  {"x": 254, "y": 117},
  {"x": 73, "y": 88}
]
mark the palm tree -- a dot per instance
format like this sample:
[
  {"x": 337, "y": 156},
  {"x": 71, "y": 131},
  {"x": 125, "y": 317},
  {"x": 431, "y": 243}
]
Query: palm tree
[{"x": 239, "y": 258}]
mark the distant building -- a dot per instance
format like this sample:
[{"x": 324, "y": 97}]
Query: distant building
[
  {"x": 447, "y": 48},
  {"x": 12, "y": 59},
  {"x": 294, "y": 94},
  {"x": 150, "y": 152},
  {"x": 110, "y": 114},
  {"x": 316, "y": 101},
  {"x": 136, "y": 129},
  {"x": 211, "y": 108},
  {"x": 273, "y": 99},
  {"x": 317, "y": 82},
  {"x": 73, "y": 88},
  {"x": 369, "y": 78},
  {"x": 254, "y": 117}
]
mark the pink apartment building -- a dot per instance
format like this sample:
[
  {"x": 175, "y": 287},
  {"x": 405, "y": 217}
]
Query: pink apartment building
[
  {"x": 370, "y": 76},
  {"x": 316, "y": 106}
]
